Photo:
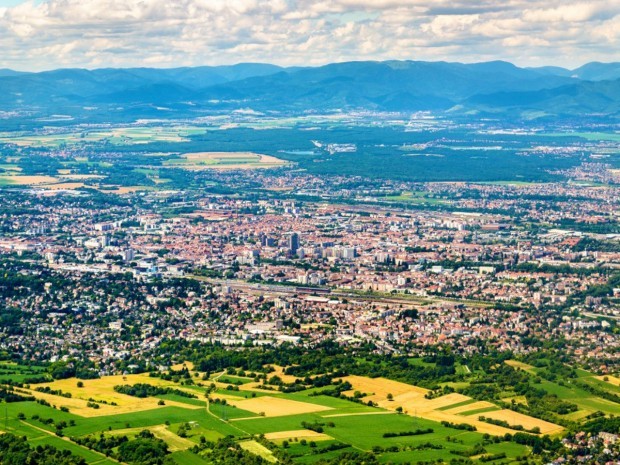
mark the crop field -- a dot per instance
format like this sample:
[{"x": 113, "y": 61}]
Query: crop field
[
  {"x": 278, "y": 416},
  {"x": 463, "y": 409},
  {"x": 379, "y": 388},
  {"x": 19, "y": 180},
  {"x": 420, "y": 198},
  {"x": 224, "y": 161},
  {"x": 102, "y": 390},
  {"x": 163, "y": 432},
  {"x": 413, "y": 402},
  {"x": 613, "y": 380},
  {"x": 277, "y": 406},
  {"x": 521, "y": 365},
  {"x": 118, "y": 136},
  {"x": 516, "y": 418},
  {"x": 258, "y": 449},
  {"x": 298, "y": 434}
]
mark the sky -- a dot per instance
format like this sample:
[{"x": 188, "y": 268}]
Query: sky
[{"x": 48, "y": 34}]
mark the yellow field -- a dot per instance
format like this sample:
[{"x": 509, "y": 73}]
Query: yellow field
[
  {"x": 226, "y": 161},
  {"x": 381, "y": 387},
  {"x": 279, "y": 371},
  {"x": 129, "y": 404},
  {"x": 518, "y": 399},
  {"x": 298, "y": 434},
  {"x": 20, "y": 180},
  {"x": 515, "y": 418},
  {"x": 413, "y": 402},
  {"x": 523, "y": 366},
  {"x": 609, "y": 379},
  {"x": 103, "y": 390},
  {"x": 258, "y": 449},
  {"x": 179, "y": 366},
  {"x": 275, "y": 406},
  {"x": 470, "y": 407}
]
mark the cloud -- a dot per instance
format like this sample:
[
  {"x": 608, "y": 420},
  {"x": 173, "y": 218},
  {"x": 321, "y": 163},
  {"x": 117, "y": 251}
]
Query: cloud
[{"x": 125, "y": 33}]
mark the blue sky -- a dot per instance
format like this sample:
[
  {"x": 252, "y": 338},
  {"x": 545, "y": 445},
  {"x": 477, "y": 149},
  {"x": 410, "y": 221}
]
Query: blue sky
[
  {"x": 46, "y": 34},
  {"x": 9, "y": 3}
]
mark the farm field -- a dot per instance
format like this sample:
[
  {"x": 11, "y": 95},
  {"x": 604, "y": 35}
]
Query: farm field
[
  {"x": 129, "y": 135},
  {"x": 573, "y": 391},
  {"x": 19, "y": 180},
  {"x": 283, "y": 419},
  {"x": 277, "y": 406},
  {"x": 224, "y": 161},
  {"x": 246, "y": 409},
  {"x": 258, "y": 449},
  {"x": 516, "y": 418},
  {"x": 447, "y": 408}
]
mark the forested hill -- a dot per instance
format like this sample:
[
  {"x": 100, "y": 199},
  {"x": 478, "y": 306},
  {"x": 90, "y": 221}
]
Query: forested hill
[{"x": 494, "y": 88}]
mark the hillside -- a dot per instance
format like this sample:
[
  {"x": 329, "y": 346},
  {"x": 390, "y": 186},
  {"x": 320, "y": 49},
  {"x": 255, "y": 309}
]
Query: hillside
[{"x": 497, "y": 88}]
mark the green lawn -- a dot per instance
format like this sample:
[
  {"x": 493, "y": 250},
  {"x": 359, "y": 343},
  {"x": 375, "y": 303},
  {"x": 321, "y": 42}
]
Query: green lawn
[
  {"x": 187, "y": 458},
  {"x": 228, "y": 412}
]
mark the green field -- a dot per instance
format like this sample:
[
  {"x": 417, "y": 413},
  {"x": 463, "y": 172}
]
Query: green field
[
  {"x": 346, "y": 425},
  {"x": 418, "y": 198}
]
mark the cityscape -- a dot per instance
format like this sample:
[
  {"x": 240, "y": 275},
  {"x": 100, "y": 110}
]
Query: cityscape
[{"x": 309, "y": 233}]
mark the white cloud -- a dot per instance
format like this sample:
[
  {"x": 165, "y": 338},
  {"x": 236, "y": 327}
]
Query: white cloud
[{"x": 93, "y": 33}]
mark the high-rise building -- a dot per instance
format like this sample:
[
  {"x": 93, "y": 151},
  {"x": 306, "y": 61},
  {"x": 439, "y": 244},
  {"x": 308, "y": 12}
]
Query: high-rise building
[{"x": 293, "y": 243}]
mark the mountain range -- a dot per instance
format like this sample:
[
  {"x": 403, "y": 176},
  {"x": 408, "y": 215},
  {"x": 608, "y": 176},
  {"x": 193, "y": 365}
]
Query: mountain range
[{"x": 494, "y": 88}]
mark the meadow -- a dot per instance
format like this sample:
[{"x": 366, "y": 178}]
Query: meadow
[
  {"x": 285, "y": 420},
  {"x": 396, "y": 421}
]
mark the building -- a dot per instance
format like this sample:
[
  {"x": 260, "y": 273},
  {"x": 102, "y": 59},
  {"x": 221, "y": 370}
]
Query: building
[{"x": 293, "y": 243}]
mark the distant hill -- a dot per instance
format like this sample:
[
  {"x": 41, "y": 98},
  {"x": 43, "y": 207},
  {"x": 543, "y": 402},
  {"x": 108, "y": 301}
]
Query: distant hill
[
  {"x": 496, "y": 87},
  {"x": 586, "y": 97},
  {"x": 598, "y": 71},
  {"x": 391, "y": 85}
]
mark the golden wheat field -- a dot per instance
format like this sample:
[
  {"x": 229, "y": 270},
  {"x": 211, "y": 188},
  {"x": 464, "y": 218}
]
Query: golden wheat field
[
  {"x": 413, "y": 402},
  {"x": 102, "y": 389},
  {"x": 515, "y": 418},
  {"x": 276, "y": 406}
]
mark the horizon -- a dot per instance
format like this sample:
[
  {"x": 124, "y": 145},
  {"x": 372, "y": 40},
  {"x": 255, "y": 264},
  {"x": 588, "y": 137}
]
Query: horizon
[
  {"x": 92, "y": 34},
  {"x": 308, "y": 66}
]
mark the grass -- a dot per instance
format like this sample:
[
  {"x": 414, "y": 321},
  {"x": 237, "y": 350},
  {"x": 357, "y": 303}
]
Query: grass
[
  {"x": 258, "y": 449},
  {"x": 197, "y": 431},
  {"x": 416, "y": 198},
  {"x": 183, "y": 400},
  {"x": 36, "y": 437},
  {"x": 229, "y": 412},
  {"x": 229, "y": 379},
  {"x": 223, "y": 160},
  {"x": 187, "y": 458},
  {"x": 458, "y": 404},
  {"x": 356, "y": 424},
  {"x": 479, "y": 411},
  {"x": 150, "y": 418},
  {"x": 583, "y": 399},
  {"x": 117, "y": 136}
]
